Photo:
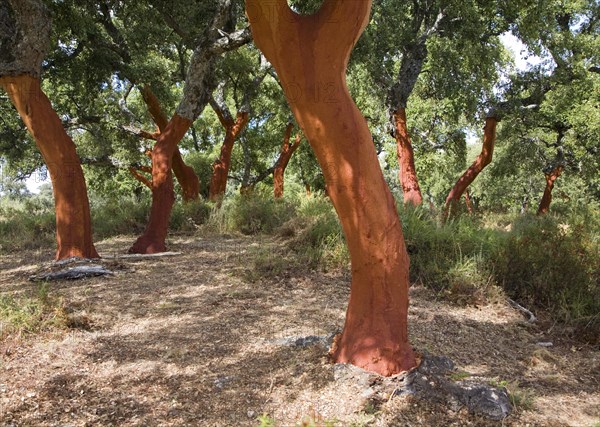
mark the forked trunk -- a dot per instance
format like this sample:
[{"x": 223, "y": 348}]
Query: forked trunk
[
  {"x": 310, "y": 55},
  {"x": 186, "y": 176},
  {"x": 163, "y": 196},
  {"x": 218, "y": 180},
  {"x": 484, "y": 159},
  {"x": 287, "y": 151},
  {"x": 406, "y": 160},
  {"x": 551, "y": 178},
  {"x": 73, "y": 223}
]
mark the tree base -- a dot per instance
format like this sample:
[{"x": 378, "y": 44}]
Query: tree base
[
  {"x": 147, "y": 246},
  {"x": 384, "y": 357}
]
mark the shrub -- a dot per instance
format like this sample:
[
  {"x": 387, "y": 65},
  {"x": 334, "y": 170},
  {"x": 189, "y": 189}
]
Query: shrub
[
  {"x": 251, "y": 214},
  {"x": 24, "y": 315},
  {"x": 553, "y": 264},
  {"x": 27, "y": 225}
]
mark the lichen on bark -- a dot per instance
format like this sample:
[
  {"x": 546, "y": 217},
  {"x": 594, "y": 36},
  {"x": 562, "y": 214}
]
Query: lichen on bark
[{"x": 25, "y": 27}]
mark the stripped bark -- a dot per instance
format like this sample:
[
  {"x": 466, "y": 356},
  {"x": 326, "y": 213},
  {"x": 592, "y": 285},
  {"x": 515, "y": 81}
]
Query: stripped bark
[
  {"x": 24, "y": 44},
  {"x": 233, "y": 129},
  {"x": 310, "y": 55},
  {"x": 482, "y": 160},
  {"x": 551, "y": 176},
  {"x": 287, "y": 151},
  {"x": 186, "y": 176},
  {"x": 406, "y": 161},
  {"x": 199, "y": 85}
]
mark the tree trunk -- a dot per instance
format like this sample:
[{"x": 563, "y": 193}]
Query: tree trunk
[
  {"x": 484, "y": 159},
  {"x": 186, "y": 176},
  {"x": 218, "y": 180},
  {"x": 406, "y": 160},
  {"x": 73, "y": 223},
  {"x": 310, "y": 55},
  {"x": 287, "y": 151},
  {"x": 551, "y": 178},
  {"x": 163, "y": 197},
  {"x": 308, "y": 190},
  {"x": 469, "y": 202}
]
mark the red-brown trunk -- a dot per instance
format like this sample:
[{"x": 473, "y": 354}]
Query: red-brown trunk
[
  {"x": 287, "y": 150},
  {"x": 185, "y": 175},
  {"x": 163, "y": 197},
  {"x": 73, "y": 223},
  {"x": 218, "y": 180},
  {"x": 484, "y": 159},
  {"x": 406, "y": 160},
  {"x": 469, "y": 202},
  {"x": 308, "y": 190},
  {"x": 310, "y": 55},
  {"x": 547, "y": 197}
]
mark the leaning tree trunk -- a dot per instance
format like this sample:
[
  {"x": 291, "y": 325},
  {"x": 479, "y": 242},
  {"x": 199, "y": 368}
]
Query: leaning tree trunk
[
  {"x": 484, "y": 159},
  {"x": 73, "y": 223},
  {"x": 310, "y": 55},
  {"x": 551, "y": 178},
  {"x": 233, "y": 129},
  {"x": 287, "y": 151},
  {"x": 406, "y": 160},
  {"x": 187, "y": 178}
]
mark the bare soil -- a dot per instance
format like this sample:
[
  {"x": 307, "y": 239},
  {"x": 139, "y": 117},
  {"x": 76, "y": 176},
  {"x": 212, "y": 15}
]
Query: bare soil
[{"x": 196, "y": 340}]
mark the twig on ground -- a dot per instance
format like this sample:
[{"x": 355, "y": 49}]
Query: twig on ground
[{"x": 532, "y": 318}]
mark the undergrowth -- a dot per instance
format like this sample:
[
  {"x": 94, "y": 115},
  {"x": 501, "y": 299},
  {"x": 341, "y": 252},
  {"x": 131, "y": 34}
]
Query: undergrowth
[
  {"x": 549, "y": 263},
  {"x": 25, "y": 315}
]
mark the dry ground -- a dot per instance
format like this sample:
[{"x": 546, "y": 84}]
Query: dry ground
[{"x": 195, "y": 340}]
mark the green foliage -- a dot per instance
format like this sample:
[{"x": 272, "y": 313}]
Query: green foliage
[
  {"x": 25, "y": 315},
  {"x": 266, "y": 421},
  {"x": 317, "y": 234},
  {"x": 251, "y": 214},
  {"x": 553, "y": 263},
  {"x": 521, "y": 398},
  {"x": 549, "y": 263},
  {"x": 28, "y": 224}
]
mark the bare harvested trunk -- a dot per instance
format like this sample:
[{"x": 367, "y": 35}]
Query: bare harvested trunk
[
  {"x": 484, "y": 159},
  {"x": 287, "y": 151},
  {"x": 73, "y": 223},
  {"x": 186, "y": 176},
  {"x": 406, "y": 160},
  {"x": 233, "y": 129},
  {"x": 163, "y": 196},
  {"x": 551, "y": 178},
  {"x": 310, "y": 55}
]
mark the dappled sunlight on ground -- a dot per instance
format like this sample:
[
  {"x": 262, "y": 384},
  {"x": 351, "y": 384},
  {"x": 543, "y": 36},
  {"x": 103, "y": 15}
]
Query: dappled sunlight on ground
[{"x": 196, "y": 339}]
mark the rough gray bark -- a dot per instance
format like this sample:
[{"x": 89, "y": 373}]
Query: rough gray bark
[
  {"x": 413, "y": 59},
  {"x": 25, "y": 27},
  {"x": 200, "y": 81}
]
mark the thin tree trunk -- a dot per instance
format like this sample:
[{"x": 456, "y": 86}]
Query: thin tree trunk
[
  {"x": 307, "y": 51},
  {"x": 484, "y": 159},
  {"x": 287, "y": 151},
  {"x": 186, "y": 176},
  {"x": 551, "y": 178},
  {"x": 73, "y": 222},
  {"x": 469, "y": 202},
  {"x": 406, "y": 160},
  {"x": 233, "y": 129}
]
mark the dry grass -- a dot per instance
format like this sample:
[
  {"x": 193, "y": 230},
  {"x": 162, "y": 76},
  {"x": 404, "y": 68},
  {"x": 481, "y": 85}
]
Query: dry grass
[{"x": 192, "y": 340}]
